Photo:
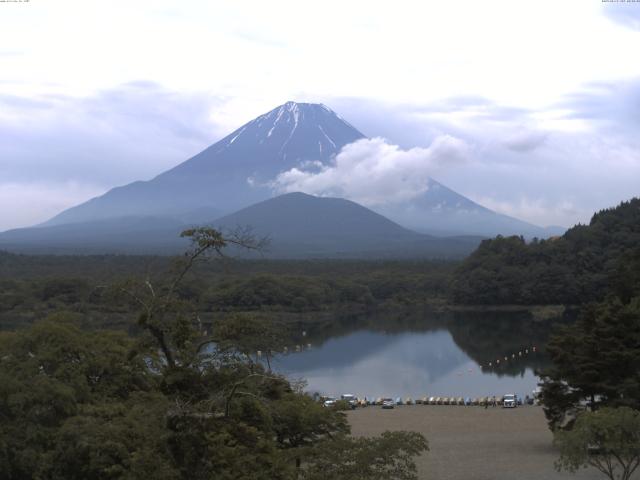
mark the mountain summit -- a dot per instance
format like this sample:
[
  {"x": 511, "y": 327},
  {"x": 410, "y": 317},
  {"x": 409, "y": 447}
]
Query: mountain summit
[{"x": 233, "y": 172}]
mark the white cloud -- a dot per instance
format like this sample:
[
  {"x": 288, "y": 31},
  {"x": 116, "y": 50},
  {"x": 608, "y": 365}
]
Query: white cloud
[
  {"x": 375, "y": 172},
  {"x": 494, "y": 48}
]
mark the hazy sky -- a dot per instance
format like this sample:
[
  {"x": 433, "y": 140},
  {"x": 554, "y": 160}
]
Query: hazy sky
[{"x": 545, "y": 95}]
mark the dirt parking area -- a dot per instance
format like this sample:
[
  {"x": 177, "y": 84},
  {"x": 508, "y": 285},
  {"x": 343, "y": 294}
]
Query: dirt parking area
[{"x": 473, "y": 443}]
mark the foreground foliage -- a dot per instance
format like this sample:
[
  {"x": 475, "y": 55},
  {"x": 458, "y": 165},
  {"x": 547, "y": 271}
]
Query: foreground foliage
[
  {"x": 595, "y": 362},
  {"x": 175, "y": 402},
  {"x": 608, "y": 440}
]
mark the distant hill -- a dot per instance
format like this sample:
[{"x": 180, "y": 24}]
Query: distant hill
[
  {"x": 237, "y": 171},
  {"x": 298, "y": 225},
  {"x": 301, "y": 225},
  {"x": 583, "y": 265}
]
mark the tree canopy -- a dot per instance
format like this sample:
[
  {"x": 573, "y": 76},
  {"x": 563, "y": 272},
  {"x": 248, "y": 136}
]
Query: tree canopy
[
  {"x": 583, "y": 265},
  {"x": 98, "y": 404},
  {"x": 608, "y": 440}
]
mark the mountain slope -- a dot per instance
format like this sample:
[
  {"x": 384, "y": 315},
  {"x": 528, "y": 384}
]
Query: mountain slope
[
  {"x": 231, "y": 173},
  {"x": 441, "y": 211},
  {"x": 126, "y": 235},
  {"x": 298, "y": 226}
]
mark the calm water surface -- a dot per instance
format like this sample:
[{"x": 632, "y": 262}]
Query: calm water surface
[{"x": 374, "y": 363}]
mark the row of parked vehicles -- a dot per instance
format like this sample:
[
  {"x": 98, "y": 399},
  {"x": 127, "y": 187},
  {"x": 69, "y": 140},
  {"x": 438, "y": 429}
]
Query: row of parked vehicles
[{"x": 510, "y": 400}]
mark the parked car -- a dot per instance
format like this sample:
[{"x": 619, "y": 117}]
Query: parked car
[
  {"x": 510, "y": 401},
  {"x": 432, "y": 400},
  {"x": 388, "y": 403}
]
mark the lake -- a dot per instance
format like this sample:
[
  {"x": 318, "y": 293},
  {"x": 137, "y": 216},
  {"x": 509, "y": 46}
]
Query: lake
[{"x": 422, "y": 357}]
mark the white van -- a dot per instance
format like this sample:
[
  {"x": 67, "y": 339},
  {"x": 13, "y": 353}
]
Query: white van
[{"x": 510, "y": 400}]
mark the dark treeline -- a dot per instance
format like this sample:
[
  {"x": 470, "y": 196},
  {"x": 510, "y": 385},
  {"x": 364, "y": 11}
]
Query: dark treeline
[
  {"x": 33, "y": 286},
  {"x": 585, "y": 264}
]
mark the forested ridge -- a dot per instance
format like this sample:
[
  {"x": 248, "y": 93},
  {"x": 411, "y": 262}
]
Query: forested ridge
[{"x": 583, "y": 265}]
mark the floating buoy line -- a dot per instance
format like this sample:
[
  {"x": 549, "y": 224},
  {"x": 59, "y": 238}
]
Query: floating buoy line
[{"x": 510, "y": 358}]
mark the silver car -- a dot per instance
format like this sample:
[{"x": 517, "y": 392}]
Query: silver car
[{"x": 388, "y": 403}]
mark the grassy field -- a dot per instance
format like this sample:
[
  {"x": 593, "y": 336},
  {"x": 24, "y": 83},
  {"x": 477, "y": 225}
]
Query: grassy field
[{"x": 474, "y": 443}]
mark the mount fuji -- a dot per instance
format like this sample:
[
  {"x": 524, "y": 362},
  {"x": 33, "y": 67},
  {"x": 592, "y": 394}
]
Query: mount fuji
[{"x": 237, "y": 172}]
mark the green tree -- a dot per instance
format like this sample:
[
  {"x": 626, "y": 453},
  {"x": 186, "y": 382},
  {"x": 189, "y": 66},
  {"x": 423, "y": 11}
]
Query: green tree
[
  {"x": 596, "y": 361},
  {"x": 608, "y": 440},
  {"x": 77, "y": 405},
  {"x": 248, "y": 334},
  {"x": 387, "y": 457}
]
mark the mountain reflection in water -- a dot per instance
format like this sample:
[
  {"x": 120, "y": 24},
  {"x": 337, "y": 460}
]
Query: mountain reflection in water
[{"x": 435, "y": 357}]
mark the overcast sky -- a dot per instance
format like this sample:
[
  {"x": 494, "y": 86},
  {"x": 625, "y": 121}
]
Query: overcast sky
[{"x": 545, "y": 95}]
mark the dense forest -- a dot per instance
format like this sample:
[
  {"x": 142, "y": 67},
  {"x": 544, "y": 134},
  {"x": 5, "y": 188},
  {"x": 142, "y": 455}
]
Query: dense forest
[
  {"x": 33, "y": 286},
  {"x": 583, "y": 265}
]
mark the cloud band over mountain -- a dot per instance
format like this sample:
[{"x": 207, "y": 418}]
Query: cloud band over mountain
[{"x": 374, "y": 171}]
